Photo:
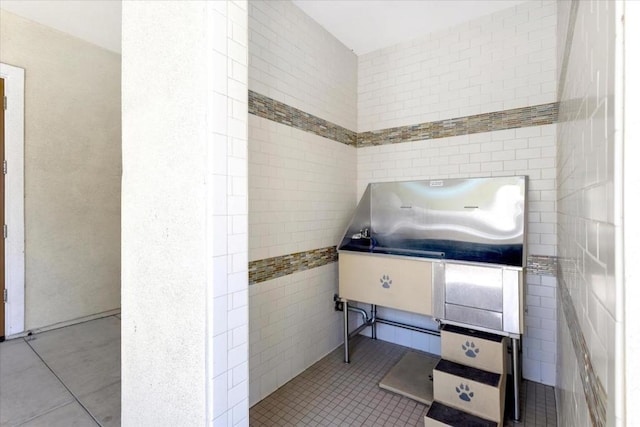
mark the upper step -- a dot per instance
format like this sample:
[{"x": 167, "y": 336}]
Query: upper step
[{"x": 477, "y": 349}]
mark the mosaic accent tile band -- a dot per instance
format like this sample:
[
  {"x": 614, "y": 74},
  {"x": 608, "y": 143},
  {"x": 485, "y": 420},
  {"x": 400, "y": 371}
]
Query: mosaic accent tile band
[
  {"x": 536, "y": 115},
  {"x": 542, "y": 265},
  {"x": 265, "y": 107},
  {"x": 593, "y": 389},
  {"x": 279, "y": 266},
  {"x": 271, "y": 268}
]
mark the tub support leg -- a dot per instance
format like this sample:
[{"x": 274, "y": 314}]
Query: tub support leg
[
  {"x": 374, "y": 332},
  {"x": 515, "y": 354},
  {"x": 346, "y": 332}
]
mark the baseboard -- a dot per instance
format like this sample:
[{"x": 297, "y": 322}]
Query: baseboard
[{"x": 65, "y": 323}]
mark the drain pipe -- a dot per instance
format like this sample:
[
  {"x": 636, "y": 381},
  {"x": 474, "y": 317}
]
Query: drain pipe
[
  {"x": 367, "y": 321},
  {"x": 365, "y": 317}
]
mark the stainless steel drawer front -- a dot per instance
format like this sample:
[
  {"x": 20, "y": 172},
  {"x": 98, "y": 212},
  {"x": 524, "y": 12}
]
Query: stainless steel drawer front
[
  {"x": 472, "y": 286},
  {"x": 473, "y": 316},
  {"x": 512, "y": 301}
]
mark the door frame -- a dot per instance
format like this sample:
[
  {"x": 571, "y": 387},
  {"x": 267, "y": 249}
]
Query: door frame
[{"x": 14, "y": 199}]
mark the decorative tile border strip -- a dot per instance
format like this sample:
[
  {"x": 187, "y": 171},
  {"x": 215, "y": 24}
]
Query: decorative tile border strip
[
  {"x": 542, "y": 265},
  {"x": 271, "y": 268},
  {"x": 265, "y": 107},
  {"x": 536, "y": 115},
  {"x": 594, "y": 391},
  {"x": 279, "y": 266}
]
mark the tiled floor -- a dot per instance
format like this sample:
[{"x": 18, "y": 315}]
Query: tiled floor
[
  {"x": 64, "y": 377},
  {"x": 71, "y": 377},
  {"x": 332, "y": 393}
]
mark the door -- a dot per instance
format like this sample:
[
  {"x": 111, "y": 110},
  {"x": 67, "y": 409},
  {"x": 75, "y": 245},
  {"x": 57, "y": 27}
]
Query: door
[{"x": 2, "y": 211}]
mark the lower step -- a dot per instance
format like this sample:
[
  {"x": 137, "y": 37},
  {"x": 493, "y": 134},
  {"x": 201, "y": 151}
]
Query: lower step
[
  {"x": 468, "y": 389},
  {"x": 440, "y": 415}
]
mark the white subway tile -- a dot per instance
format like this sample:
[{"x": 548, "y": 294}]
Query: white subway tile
[{"x": 220, "y": 388}]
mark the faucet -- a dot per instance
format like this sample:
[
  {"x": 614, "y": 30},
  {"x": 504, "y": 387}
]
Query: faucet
[{"x": 365, "y": 233}]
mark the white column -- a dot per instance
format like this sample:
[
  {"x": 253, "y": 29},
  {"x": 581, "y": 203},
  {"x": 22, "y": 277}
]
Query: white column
[{"x": 184, "y": 214}]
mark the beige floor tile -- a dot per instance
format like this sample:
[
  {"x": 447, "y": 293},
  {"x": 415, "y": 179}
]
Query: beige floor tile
[
  {"x": 71, "y": 415},
  {"x": 104, "y": 405},
  {"x": 86, "y": 356},
  {"x": 27, "y": 386}
]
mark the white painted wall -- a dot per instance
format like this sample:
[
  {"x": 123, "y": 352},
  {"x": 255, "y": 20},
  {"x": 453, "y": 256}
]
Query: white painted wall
[
  {"x": 184, "y": 300},
  {"x": 301, "y": 189},
  {"x": 505, "y": 60},
  {"x": 72, "y": 171},
  {"x": 587, "y": 205}
]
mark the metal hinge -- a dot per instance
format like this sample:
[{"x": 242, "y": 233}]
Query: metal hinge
[
  {"x": 4, "y": 296},
  {"x": 4, "y": 230},
  {"x": 4, "y": 167},
  {"x": 4, "y": 103}
]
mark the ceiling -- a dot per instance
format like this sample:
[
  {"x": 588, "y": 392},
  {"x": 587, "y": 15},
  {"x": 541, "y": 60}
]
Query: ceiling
[
  {"x": 96, "y": 21},
  {"x": 365, "y": 26},
  {"x": 361, "y": 25}
]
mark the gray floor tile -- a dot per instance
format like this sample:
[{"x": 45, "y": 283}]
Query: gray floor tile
[
  {"x": 27, "y": 386},
  {"x": 104, "y": 405},
  {"x": 71, "y": 415},
  {"x": 330, "y": 390},
  {"x": 85, "y": 356}
]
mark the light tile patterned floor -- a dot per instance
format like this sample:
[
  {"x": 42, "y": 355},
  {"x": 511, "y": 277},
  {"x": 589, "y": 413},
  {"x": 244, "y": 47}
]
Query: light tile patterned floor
[
  {"x": 64, "y": 377},
  {"x": 71, "y": 376},
  {"x": 332, "y": 393}
]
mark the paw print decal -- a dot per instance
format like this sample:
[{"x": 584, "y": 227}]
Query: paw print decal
[
  {"x": 470, "y": 350},
  {"x": 386, "y": 281},
  {"x": 464, "y": 393}
]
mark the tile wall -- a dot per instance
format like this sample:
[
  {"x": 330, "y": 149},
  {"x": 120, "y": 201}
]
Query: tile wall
[
  {"x": 302, "y": 189},
  {"x": 295, "y": 61},
  {"x": 293, "y": 325},
  {"x": 586, "y": 222},
  {"x": 502, "y": 61},
  {"x": 229, "y": 212},
  {"x": 302, "y": 176},
  {"x": 627, "y": 136},
  {"x": 489, "y": 85}
]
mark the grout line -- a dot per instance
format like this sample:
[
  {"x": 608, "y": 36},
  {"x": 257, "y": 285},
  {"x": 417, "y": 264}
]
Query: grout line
[
  {"x": 48, "y": 411},
  {"x": 62, "y": 382},
  {"x": 306, "y": 395}
]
